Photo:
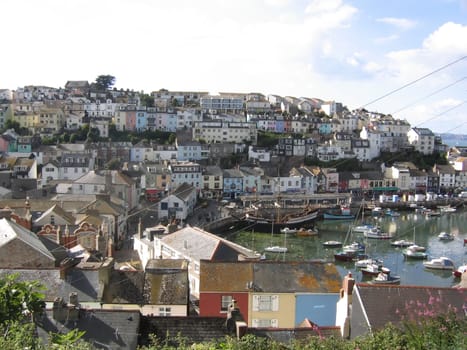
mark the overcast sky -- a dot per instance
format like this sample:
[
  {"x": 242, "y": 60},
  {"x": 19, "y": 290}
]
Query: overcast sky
[{"x": 349, "y": 51}]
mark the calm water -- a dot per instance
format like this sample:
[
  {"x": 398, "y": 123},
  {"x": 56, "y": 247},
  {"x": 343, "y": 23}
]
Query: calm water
[{"x": 409, "y": 226}]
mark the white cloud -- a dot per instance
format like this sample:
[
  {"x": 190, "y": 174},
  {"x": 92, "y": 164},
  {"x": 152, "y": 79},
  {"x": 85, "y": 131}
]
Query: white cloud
[
  {"x": 386, "y": 39},
  {"x": 400, "y": 23}
]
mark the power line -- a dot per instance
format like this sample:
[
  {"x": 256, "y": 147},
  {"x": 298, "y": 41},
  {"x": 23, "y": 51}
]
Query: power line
[
  {"x": 429, "y": 95},
  {"x": 414, "y": 81},
  {"x": 444, "y": 112}
]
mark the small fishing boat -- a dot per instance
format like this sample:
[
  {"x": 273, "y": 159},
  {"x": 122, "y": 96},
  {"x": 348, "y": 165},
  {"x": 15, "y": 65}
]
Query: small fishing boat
[
  {"x": 363, "y": 228},
  {"x": 345, "y": 256},
  {"x": 377, "y": 234},
  {"x": 446, "y": 209},
  {"x": 376, "y": 211},
  {"x": 275, "y": 249},
  {"x": 374, "y": 270},
  {"x": 362, "y": 263},
  {"x": 342, "y": 214},
  {"x": 354, "y": 247},
  {"x": 417, "y": 248},
  {"x": 413, "y": 253},
  {"x": 332, "y": 244},
  {"x": 402, "y": 243},
  {"x": 459, "y": 271},
  {"x": 307, "y": 232},
  {"x": 441, "y": 263},
  {"x": 445, "y": 236},
  {"x": 386, "y": 278},
  {"x": 288, "y": 230}
]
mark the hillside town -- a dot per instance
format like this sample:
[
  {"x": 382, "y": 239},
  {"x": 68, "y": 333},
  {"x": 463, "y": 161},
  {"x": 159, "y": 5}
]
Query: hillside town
[{"x": 108, "y": 197}]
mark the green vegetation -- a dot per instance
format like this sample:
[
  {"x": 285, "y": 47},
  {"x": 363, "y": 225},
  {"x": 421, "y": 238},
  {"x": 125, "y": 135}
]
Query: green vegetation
[{"x": 104, "y": 82}]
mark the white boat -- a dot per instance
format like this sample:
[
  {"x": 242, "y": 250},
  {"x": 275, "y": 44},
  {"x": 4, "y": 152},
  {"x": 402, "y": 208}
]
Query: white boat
[
  {"x": 446, "y": 236},
  {"x": 288, "y": 230},
  {"x": 275, "y": 249},
  {"x": 416, "y": 247},
  {"x": 386, "y": 278},
  {"x": 402, "y": 243},
  {"x": 377, "y": 234},
  {"x": 441, "y": 263},
  {"x": 413, "y": 253},
  {"x": 332, "y": 244},
  {"x": 446, "y": 209},
  {"x": 363, "y": 228},
  {"x": 459, "y": 271},
  {"x": 362, "y": 263}
]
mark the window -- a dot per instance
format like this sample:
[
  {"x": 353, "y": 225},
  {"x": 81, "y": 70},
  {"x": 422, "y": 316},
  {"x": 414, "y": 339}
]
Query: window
[
  {"x": 265, "y": 323},
  {"x": 226, "y": 300},
  {"x": 265, "y": 303},
  {"x": 165, "y": 311}
]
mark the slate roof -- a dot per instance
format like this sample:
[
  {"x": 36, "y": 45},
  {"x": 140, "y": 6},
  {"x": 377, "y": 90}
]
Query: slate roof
[
  {"x": 125, "y": 287},
  {"x": 105, "y": 329},
  {"x": 85, "y": 283},
  {"x": 11, "y": 230},
  {"x": 183, "y": 191},
  {"x": 199, "y": 244},
  {"x": 191, "y": 329},
  {"x": 58, "y": 211},
  {"x": 383, "y": 304}
]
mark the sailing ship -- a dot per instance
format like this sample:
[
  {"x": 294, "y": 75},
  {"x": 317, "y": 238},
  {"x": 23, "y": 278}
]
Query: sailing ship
[{"x": 296, "y": 220}]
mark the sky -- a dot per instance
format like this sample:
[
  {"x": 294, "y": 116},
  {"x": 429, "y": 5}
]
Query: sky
[{"x": 407, "y": 58}]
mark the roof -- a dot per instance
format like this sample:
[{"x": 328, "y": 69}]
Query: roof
[
  {"x": 199, "y": 244},
  {"x": 106, "y": 329},
  {"x": 270, "y": 277},
  {"x": 125, "y": 287},
  {"x": 58, "y": 210},
  {"x": 184, "y": 191},
  {"x": 11, "y": 230},
  {"x": 190, "y": 329},
  {"x": 383, "y": 304}
]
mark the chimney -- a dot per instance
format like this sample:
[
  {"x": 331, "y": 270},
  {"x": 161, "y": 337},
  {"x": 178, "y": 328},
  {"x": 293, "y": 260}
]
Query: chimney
[
  {"x": 110, "y": 248},
  {"x": 235, "y": 323},
  {"x": 59, "y": 310},
  {"x": 348, "y": 284},
  {"x": 139, "y": 228},
  {"x": 57, "y": 235},
  {"x": 73, "y": 307}
]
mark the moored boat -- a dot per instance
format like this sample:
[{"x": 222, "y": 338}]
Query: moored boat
[
  {"x": 332, "y": 244},
  {"x": 445, "y": 236},
  {"x": 345, "y": 256},
  {"x": 363, "y": 228},
  {"x": 374, "y": 270},
  {"x": 441, "y": 263},
  {"x": 354, "y": 247},
  {"x": 288, "y": 230},
  {"x": 402, "y": 243},
  {"x": 386, "y": 278},
  {"x": 307, "y": 232},
  {"x": 364, "y": 262},
  {"x": 296, "y": 220},
  {"x": 275, "y": 249},
  {"x": 342, "y": 214},
  {"x": 413, "y": 253},
  {"x": 459, "y": 271},
  {"x": 377, "y": 234}
]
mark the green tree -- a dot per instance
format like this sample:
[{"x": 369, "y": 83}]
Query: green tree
[
  {"x": 12, "y": 124},
  {"x": 147, "y": 100},
  {"x": 104, "y": 82},
  {"x": 19, "y": 300}
]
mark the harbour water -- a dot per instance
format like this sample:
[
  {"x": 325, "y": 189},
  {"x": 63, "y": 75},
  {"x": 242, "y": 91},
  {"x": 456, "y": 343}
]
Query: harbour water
[{"x": 409, "y": 225}]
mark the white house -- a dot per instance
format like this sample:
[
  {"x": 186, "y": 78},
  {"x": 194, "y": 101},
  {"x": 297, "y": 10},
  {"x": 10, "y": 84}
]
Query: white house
[
  {"x": 422, "y": 139},
  {"x": 179, "y": 204}
]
